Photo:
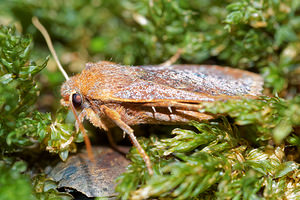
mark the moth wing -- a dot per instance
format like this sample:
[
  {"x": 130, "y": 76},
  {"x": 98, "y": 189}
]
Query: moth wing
[
  {"x": 182, "y": 83},
  {"x": 210, "y": 79}
]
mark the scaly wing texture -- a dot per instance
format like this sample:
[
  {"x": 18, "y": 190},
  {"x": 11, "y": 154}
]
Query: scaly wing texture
[
  {"x": 184, "y": 83},
  {"x": 209, "y": 79}
]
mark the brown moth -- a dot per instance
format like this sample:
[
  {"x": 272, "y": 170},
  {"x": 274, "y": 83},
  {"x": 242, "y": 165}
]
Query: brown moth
[{"x": 109, "y": 94}]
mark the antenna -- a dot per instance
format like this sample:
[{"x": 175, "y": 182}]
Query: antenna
[
  {"x": 44, "y": 32},
  {"x": 85, "y": 136}
]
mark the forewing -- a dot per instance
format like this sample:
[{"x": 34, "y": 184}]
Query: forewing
[
  {"x": 209, "y": 79},
  {"x": 184, "y": 83}
]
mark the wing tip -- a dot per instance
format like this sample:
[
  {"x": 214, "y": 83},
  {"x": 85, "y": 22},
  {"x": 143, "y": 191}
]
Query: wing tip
[{"x": 257, "y": 86}]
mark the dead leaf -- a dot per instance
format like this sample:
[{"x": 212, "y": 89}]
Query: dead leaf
[{"x": 92, "y": 179}]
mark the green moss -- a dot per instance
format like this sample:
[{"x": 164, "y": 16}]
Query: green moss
[
  {"x": 22, "y": 127},
  {"x": 226, "y": 168},
  {"x": 14, "y": 184}
]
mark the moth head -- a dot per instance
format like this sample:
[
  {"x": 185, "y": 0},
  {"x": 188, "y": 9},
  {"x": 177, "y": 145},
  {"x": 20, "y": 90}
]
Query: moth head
[{"x": 71, "y": 94}]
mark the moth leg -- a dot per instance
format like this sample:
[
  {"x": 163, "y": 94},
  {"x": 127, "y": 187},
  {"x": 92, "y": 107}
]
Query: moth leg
[
  {"x": 95, "y": 119},
  {"x": 81, "y": 117},
  {"x": 178, "y": 105},
  {"x": 89, "y": 114},
  {"x": 92, "y": 116},
  {"x": 116, "y": 118},
  {"x": 113, "y": 144},
  {"x": 196, "y": 115},
  {"x": 153, "y": 108}
]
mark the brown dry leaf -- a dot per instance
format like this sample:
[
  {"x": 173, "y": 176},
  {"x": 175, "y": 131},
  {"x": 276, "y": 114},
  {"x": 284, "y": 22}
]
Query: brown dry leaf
[{"x": 92, "y": 179}]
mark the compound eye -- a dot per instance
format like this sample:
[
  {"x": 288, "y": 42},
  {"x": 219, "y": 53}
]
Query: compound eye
[{"x": 76, "y": 100}]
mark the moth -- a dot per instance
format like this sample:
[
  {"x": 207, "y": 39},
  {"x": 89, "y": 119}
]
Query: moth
[{"x": 109, "y": 94}]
